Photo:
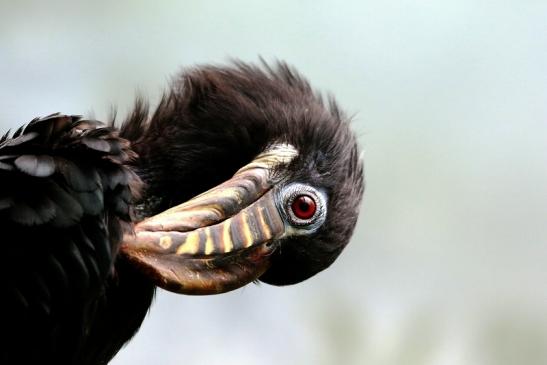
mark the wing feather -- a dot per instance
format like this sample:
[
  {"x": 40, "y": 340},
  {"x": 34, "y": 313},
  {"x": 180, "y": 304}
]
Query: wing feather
[{"x": 65, "y": 200}]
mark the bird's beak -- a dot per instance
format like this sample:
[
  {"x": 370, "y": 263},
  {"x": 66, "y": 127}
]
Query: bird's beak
[{"x": 219, "y": 240}]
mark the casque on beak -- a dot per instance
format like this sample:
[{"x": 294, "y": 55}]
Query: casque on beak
[{"x": 219, "y": 240}]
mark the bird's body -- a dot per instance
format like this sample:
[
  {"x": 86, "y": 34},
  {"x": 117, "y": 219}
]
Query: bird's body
[{"x": 79, "y": 282}]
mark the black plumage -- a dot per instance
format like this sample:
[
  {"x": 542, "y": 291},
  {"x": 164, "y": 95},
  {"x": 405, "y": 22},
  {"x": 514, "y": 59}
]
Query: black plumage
[
  {"x": 72, "y": 188},
  {"x": 65, "y": 201}
]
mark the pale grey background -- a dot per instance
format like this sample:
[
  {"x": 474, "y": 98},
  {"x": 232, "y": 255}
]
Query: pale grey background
[{"x": 449, "y": 99}]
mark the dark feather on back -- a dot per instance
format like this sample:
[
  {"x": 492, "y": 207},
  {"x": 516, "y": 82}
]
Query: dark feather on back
[{"x": 64, "y": 204}]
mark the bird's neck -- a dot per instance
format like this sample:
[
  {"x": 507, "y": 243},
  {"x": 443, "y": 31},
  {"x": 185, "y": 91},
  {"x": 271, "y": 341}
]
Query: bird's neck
[{"x": 127, "y": 298}]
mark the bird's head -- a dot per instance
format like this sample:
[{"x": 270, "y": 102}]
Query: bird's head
[{"x": 274, "y": 171}]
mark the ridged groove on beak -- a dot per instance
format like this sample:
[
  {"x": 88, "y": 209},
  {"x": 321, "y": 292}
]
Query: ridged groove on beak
[
  {"x": 225, "y": 200},
  {"x": 256, "y": 224}
]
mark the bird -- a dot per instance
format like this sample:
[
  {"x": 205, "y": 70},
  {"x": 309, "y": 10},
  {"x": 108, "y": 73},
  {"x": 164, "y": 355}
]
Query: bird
[{"x": 242, "y": 173}]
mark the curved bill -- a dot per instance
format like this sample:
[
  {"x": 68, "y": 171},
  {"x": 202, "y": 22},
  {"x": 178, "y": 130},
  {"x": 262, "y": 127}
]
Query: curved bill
[{"x": 219, "y": 240}]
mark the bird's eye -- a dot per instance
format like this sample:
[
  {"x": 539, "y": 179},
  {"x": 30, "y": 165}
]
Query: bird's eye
[{"x": 303, "y": 206}]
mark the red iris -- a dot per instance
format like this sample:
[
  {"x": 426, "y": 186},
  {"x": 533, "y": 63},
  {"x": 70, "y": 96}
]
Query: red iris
[{"x": 303, "y": 207}]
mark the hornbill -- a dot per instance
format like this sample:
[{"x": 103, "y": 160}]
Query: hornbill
[{"x": 242, "y": 173}]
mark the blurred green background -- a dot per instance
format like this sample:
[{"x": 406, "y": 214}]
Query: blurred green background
[{"x": 449, "y": 99}]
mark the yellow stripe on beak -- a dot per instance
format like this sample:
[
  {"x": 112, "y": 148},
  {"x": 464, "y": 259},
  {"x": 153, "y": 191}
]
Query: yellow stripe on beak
[{"x": 190, "y": 245}]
